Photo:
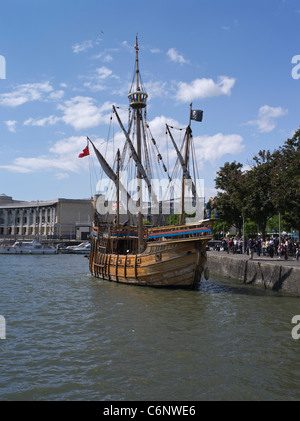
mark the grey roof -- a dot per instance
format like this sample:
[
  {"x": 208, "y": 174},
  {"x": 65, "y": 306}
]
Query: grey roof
[{"x": 40, "y": 203}]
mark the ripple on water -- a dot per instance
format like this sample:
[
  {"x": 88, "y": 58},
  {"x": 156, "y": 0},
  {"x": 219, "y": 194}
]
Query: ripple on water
[{"x": 71, "y": 336}]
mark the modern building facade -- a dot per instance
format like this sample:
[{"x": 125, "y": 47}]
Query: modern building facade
[{"x": 59, "y": 218}]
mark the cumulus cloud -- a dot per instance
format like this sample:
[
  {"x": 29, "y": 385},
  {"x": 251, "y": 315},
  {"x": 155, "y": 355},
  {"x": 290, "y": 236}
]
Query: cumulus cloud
[
  {"x": 82, "y": 112},
  {"x": 204, "y": 88},
  {"x": 173, "y": 55},
  {"x": 97, "y": 80},
  {"x": 82, "y": 46},
  {"x": 42, "y": 122},
  {"x": 156, "y": 89},
  {"x": 11, "y": 125},
  {"x": 267, "y": 116},
  {"x": 213, "y": 147},
  {"x": 208, "y": 148},
  {"x": 29, "y": 92},
  {"x": 104, "y": 56},
  {"x": 62, "y": 157}
]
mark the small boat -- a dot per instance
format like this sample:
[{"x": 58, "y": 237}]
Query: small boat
[
  {"x": 82, "y": 248},
  {"x": 28, "y": 247}
]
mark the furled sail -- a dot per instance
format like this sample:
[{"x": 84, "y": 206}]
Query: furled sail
[
  {"x": 109, "y": 171},
  {"x": 181, "y": 160}
]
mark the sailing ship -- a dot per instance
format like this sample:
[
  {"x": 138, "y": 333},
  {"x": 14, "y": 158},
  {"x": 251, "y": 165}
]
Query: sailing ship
[{"x": 131, "y": 252}]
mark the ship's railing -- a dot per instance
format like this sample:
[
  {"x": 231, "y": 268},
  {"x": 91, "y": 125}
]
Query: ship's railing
[
  {"x": 180, "y": 231},
  {"x": 155, "y": 233},
  {"x": 188, "y": 233},
  {"x": 111, "y": 230}
]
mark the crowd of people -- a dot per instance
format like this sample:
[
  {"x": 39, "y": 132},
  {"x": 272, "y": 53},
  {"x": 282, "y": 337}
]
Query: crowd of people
[{"x": 271, "y": 247}]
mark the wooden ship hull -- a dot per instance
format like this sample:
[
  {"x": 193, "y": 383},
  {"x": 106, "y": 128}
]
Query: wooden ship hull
[{"x": 164, "y": 263}]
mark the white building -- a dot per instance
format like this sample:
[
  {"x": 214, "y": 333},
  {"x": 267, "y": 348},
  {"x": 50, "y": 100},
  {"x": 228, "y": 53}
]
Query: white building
[{"x": 66, "y": 218}]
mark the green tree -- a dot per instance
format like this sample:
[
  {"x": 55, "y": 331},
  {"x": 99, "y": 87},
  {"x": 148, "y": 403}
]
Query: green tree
[
  {"x": 231, "y": 200},
  {"x": 220, "y": 227},
  {"x": 259, "y": 205},
  {"x": 286, "y": 180},
  {"x": 272, "y": 185}
]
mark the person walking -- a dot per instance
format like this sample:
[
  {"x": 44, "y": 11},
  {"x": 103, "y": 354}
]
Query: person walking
[
  {"x": 271, "y": 248},
  {"x": 252, "y": 248}
]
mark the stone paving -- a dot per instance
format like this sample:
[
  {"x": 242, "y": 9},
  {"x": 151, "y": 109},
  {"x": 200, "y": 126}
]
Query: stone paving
[{"x": 266, "y": 259}]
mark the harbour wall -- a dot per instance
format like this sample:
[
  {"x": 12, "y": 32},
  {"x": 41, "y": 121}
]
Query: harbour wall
[{"x": 277, "y": 275}]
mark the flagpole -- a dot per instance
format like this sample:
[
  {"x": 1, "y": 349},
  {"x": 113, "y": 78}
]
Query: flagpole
[
  {"x": 191, "y": 107},
  {"x": 188, "y": 130}
]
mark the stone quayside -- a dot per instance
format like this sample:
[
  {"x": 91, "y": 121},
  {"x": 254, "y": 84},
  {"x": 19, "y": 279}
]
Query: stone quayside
[{"x": 276, "y": 274}]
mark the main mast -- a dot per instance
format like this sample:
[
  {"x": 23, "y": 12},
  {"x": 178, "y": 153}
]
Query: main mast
[{"x": 137, "y": 101}]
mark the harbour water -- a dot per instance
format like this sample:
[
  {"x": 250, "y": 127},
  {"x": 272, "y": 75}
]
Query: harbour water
[{"x": 70, "y": 336}]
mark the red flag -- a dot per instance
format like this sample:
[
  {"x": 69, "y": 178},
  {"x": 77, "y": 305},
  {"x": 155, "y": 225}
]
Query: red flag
[{"x": 85, "y": 152}]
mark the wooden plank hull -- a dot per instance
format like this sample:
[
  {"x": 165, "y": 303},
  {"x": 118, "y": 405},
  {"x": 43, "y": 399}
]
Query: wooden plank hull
[{"x": 163, "y": 264}]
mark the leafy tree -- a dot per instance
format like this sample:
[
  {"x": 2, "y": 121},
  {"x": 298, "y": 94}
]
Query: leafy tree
[
  {"x": 231, "y": 201},
  {"x": 174, "y": 219},
  {"x": 271, "y": 186},
  {"x": 250, "y": 228},
  {"x": 286, "y": 180},
  {"x": 220, "y": 226},
  {"x": 259, "y": 204}
]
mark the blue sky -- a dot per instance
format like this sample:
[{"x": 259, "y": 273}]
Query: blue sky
[{"x": 68, "y": 62}]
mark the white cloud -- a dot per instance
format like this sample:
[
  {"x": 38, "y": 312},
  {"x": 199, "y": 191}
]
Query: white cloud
[
  {"x": 266, "y": 118},
  {"x": 127, "y": 45},
  {"x": 62, "y": 156},
  {"x": 82, "y": 113},
  {"x": 156, "y": 89},
  {"x": 204, "y": 88},
  {"x": 173, "y": 55},
  {"x": 104, "y": 57},
  {"x": 69, "y": 146},
  {"x": 103, "y": 72},
  {"x": 56, "y": 94},
  {"x": 42, "y": 122},
  {"x": 82, "y": 46},
  {"x": 96, "y": 81},
  {"x": 208, "y": 148},
  {"x": 95, "y": 87},
  {"x": 212, "y": 148},
  {"x": 11, "y": 125},
  {"x": 26, "y": 92}
]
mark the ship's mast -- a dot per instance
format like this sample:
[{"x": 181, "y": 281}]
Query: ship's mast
[
  {"x": 137, "y": 100},
  {"x": 186, "y": 157},
  {"x": 118, "y": 189}
]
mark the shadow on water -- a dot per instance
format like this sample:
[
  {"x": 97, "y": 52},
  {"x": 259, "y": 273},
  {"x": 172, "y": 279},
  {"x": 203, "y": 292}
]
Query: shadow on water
[
  {"x": 214, "y": 285},
  {"x": 229, "y": 286}
]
